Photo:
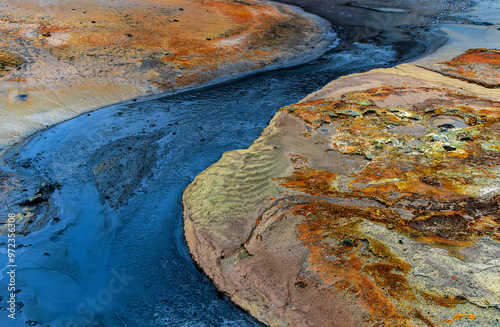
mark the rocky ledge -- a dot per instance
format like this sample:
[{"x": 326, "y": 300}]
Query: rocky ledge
[
  {"x": 373, "y": 202},
  {"x": 59, "y": 59}
]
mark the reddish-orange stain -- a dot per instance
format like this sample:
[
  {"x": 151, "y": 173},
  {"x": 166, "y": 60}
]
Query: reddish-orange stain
[
  {"x": 481, "y": 66},
  {"x": 433, "y": 185}
]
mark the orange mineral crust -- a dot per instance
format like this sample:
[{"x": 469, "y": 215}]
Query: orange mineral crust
[
  {"x": 78, "y": 55},
  {"x": 373, "y": 207},
  {"x": 481, "y": 66}
]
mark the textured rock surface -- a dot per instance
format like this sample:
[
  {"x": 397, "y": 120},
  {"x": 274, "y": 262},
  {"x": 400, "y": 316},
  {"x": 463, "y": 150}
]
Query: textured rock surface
[
  {"x": 61, "y": 58},
  {"x": 481, "y": 66},
  {"x": 373, "y": 202}
]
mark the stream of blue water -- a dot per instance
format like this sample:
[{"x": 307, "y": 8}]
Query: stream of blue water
[{"x": 129, "y": 265}]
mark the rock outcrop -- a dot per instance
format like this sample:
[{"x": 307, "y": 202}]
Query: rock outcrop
[
  {"x": 373, "y": 202},
  {"x": 481, "y": 66},
  {"x": 59, "y": 59}
]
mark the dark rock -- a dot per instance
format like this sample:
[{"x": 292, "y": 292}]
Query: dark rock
[
  {"x": 347, "y": 242},
  {"x": 34, "y": 200}
]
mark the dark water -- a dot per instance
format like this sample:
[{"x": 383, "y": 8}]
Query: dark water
[
  {"x": 403, "y": 24},
  {"x": 130, "y": 266}
]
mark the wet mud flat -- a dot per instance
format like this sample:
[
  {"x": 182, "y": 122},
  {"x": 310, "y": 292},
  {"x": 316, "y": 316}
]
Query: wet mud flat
[
  {"x": 409, "y": 26},
  {"x": 59, "y": 59},
  {"x": 89, "y": 191},
  {"x": 378, "y": 217},
  {"x": 118, "y": 176}
]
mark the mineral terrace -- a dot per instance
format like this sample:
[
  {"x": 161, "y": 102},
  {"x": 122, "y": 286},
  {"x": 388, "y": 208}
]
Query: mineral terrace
[{"x": 373, "y": 202}]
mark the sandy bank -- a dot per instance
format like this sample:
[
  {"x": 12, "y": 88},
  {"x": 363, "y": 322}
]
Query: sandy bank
[
  {"x": 58, "y": 60},
  {"x": 374, "y": 201}
]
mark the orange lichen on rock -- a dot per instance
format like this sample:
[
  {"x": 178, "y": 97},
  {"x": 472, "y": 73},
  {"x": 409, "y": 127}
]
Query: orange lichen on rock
[
  {"x": 416, "y": 159},
  {"x": 481, "y": 66},
  {"x": 312, "y": 181},
  {"x": 432, "y": 165},
  {"x": 460, "y": 316},
  {"x": 383, "y": 208},
  {"x": 365, "y": 272}
]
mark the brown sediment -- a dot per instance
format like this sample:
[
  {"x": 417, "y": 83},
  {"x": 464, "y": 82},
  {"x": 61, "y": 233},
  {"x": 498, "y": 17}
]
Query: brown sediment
[
  {"x": 7, "y": 60},
  {"x": 443, "y": 300},
  {"x": 384, "y": 202}
]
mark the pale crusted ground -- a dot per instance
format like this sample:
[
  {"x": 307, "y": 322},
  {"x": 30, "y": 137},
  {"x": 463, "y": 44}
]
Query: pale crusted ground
[
  {"x": 462, "y": 37},
  {"x": 61, "y": 58},
  {"x": 372, "y": 202}
]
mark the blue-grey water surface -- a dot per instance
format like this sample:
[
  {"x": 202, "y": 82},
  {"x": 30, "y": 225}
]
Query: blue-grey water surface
[{"x": 130, "y": 266}]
